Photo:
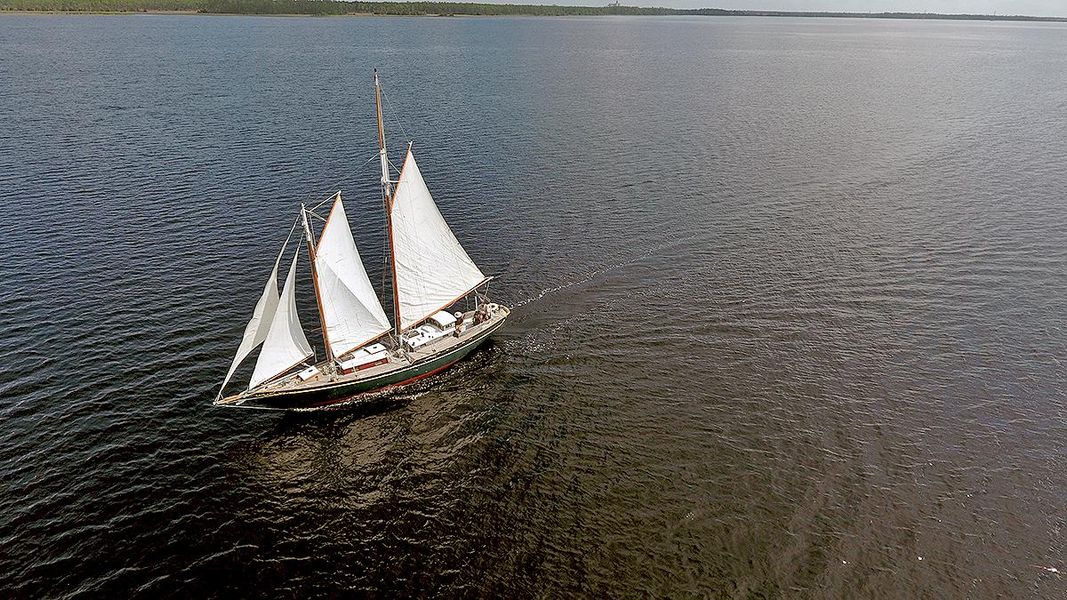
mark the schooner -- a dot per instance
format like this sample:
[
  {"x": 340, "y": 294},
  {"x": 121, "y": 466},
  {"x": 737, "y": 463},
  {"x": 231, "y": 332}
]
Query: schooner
[{"x": 431, "y": 273}]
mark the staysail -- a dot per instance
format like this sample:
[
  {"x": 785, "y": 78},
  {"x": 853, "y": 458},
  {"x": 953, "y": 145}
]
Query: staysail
[
  {"x": 350, "y": 308},
  {"x": 285, "y": 345},
  {"x": 432, "y": 268},
  {"x": 256, "y": 329}
]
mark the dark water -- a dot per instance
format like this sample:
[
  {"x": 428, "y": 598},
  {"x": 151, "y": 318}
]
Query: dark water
[{"x": 790, "y": 320}]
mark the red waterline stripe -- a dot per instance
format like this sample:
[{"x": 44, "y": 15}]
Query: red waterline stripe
[{"x": 386, "y": 387}]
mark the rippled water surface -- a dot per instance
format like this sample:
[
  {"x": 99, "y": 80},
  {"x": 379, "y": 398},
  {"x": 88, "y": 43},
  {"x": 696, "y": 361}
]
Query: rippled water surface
[{"x": 790, "y": 308}]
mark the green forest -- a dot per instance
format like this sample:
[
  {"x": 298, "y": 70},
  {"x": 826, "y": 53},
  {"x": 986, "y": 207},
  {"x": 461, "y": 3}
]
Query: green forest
[
  {"x": 335, "y": 7},
  {"x": 320, "y": 7}
]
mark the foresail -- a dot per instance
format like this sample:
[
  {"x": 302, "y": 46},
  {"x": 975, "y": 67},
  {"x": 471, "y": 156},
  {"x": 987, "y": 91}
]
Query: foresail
[
  {"x": 350, "y": 306},
  {"x": 432, "y": 268},
  {"x": 285, "y": 345},
  {"x": 262, "y": 315}
]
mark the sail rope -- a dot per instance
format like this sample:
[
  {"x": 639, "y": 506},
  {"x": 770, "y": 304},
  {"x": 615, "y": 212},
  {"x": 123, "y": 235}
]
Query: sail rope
[
  {"x": 392, "y": 113},
  {"x": 322, "y": 202},
  {"x": 296, "y": 223},
  {"x": 336, "y": 185}
]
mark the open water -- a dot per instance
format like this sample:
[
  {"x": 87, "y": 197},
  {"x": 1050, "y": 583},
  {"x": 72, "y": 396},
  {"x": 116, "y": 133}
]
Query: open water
[{"x": 791, "y": 308}]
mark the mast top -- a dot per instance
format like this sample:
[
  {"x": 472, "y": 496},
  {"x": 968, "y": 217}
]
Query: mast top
[{"x": 383, "y": 155}]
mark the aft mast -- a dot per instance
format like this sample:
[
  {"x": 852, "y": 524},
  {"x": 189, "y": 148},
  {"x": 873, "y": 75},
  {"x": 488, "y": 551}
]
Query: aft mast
[{"x": 387, "y": 198}]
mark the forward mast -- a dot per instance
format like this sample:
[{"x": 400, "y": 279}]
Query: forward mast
[{"x": 315, "y": 283}]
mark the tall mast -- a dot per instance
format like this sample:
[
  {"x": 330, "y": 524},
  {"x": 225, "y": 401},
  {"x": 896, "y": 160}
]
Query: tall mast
[
  {"x": 387, "y": 186},
  {"x": 387, "y": 197},
  {"x": 315, "y": 281}
]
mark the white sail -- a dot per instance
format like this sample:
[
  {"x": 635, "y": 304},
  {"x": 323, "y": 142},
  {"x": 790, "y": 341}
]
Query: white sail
[
  {"x": 432, "y": 269},
  {"x": 285, "y": 345},
  {"x": 350, "y": 307},
  {"x": 256, "y": 329}
]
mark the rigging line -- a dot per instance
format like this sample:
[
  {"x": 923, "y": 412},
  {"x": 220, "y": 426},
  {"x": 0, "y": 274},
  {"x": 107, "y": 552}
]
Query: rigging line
[
  {"x": 327, "y": 199},
  {"x": 364, "y": 165},
  {"x": 385, "y": 100},
  {"x": 385, "y": 265},
  {"x": 312, "y": 209},
  {"x": 296, "y": 222},
  {"x": 336, "y": 185}
]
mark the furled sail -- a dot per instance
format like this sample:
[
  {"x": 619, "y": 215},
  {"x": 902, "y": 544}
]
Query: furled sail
[
  {"x": 285, "y": 345},
  {"x": 432, "y": 269},
  {"x": 256, "y": 329},
  {"x": 350, "y": 307}
]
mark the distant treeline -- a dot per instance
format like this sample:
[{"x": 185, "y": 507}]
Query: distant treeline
[
  {"x": 334, "y": 7},
  {"x": 320, "y": 7}
]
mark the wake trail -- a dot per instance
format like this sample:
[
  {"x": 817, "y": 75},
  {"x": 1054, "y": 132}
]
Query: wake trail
[{"x": 595, "y": 273}]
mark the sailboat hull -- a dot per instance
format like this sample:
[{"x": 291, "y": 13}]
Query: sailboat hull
[{"x": 352, "y": 391}]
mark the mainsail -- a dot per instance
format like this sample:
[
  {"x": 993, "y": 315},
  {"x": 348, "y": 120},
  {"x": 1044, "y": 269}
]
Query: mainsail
[
  {"x": 285, "y": 345},
  {"x": 351, "y": 310},
  {"x": 432, "y": 268},
  {"x": 256, "y": 329}
]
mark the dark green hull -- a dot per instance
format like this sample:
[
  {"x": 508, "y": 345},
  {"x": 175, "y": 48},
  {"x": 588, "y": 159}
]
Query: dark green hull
[{"x": 330, "y": 395}]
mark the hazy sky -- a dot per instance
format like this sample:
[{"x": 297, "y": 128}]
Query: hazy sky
[{"x": 1045, "y": 8}]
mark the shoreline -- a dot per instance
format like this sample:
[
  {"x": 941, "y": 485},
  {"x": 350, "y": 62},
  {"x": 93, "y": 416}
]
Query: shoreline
[{"x": 533, "y": 12}]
